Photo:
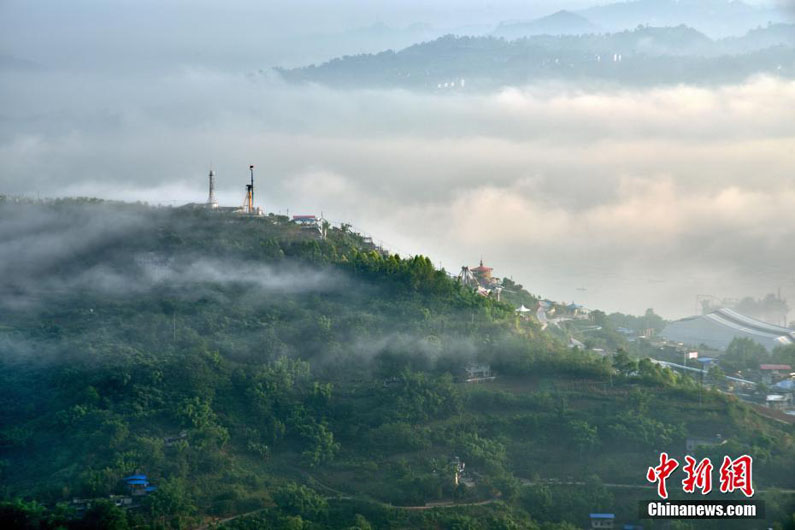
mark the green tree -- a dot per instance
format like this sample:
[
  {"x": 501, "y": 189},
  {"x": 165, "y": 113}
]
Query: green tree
[
  {"x": 296, "y": 499},
  {"x": 320, "y": 444},
  {"x": 171, "y": 504},
  {"x": 583, "y": 435},
  {"x": 716, "y": 374},
  {"x": 360, "y": 522},
  {"x": 623, "y": 363},
  {"x": 743, "y": 353},
  {"x": 21, "y": 514},
  {"x": 106, "y": 515}
]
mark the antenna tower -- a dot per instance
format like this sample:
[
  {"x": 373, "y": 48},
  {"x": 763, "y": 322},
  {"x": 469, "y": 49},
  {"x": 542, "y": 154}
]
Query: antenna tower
[
  {"x": 211, "y": 202},
  {"x": 250, "y": 192}
]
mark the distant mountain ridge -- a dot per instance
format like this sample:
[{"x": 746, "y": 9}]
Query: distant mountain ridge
[
  {"x": 717, "y": 18},
  {"x": 560, "y": 23},
  {"x": 644, "y": 56},
  {"x": 780, "y": 34}
]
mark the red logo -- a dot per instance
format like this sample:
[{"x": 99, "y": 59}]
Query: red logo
[
  {"x": 698, "y": 476},
  {"x": 660, "y": 473},
  {"x": 736, "y": 475}
]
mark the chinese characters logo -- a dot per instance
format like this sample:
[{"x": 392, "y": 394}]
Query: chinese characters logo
[{"x": 734, "y": 475}]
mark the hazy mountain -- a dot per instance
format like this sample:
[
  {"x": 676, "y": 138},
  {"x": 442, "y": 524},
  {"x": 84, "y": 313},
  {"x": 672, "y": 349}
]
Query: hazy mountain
[
  {"x": 761, "y": 38},
  {"x": 12, "y": 63},
  {"x": 644, "y": 56},
  {"x": 716, "y": 18},
  {"x": 561, "y": 23}
]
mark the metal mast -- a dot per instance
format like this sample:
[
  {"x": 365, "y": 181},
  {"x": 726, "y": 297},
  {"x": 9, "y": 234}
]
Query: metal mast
[{"x": 250, "y": 188}]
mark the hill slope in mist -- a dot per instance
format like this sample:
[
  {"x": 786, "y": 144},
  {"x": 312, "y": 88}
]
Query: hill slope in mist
[{"x": 248, "y": 365}]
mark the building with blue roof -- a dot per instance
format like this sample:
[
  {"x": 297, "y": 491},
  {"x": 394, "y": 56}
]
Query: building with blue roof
[
  {"x": 602, "y": 521},
  {"x": 139, "y": 484}
]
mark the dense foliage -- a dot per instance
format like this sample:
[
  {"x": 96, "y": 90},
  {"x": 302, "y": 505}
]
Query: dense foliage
[{"x": 249, "y": 366}]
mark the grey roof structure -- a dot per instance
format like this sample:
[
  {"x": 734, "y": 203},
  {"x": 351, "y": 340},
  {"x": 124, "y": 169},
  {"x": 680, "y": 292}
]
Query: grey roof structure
[{"x": 719, "y": 328}]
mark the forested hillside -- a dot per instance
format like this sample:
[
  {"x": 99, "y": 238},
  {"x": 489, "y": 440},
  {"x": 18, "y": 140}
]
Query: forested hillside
[{"x": 248, "y": 366}]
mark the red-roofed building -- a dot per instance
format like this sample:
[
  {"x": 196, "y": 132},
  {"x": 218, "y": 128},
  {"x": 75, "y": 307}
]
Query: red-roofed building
[
  {"x": 772, "y": 373},
  {"x": 311, "y": 222},
  {"x": 482, "y": 273},
  {"x": 776, "y": 367},
  {"x": 305, "y": 219}
]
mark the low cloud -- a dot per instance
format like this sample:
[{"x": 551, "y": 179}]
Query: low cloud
[
  {"x": 644, "y": 198},
  {"x": 47, "y": 250}
]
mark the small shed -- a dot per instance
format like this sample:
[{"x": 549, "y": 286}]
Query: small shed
[
  {"x": 691, "y": 443},
  {"x": 602, "y": 521},
  {"x": 478, "y": 372},
  {"x": 778, "y": 401}
]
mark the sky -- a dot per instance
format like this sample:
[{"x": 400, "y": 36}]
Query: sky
[{"x": 616, "y": 198}]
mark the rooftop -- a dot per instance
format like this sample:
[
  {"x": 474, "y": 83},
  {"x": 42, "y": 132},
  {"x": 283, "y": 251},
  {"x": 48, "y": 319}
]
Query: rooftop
[
  {"x": 775, "y": 367},
  {"x": 719, "y": 328},
  {"x": 482, "y": 268}
]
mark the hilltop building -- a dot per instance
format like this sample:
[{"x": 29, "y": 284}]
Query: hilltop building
[
  {"x": 480, "y": 279},
  {"x": 314, "y": 223},
  {"x": 306, "y": 221},
  {"x": 579, "y": 312},
  {"x": 483, "y": 273}
]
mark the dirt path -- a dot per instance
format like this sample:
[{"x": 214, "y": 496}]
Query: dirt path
[
  {"x": 527, "y": 482},
  {"x": 218, "y": 522},
  {"x": 444, "y": 504}
]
